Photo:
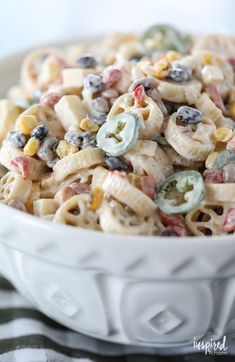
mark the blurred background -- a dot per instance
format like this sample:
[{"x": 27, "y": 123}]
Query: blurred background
[{"x": 27, "y": 23}]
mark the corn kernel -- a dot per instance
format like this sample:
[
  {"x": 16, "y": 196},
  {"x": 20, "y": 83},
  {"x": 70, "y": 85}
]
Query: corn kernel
[
  {"x": 97, "y": 197},
  {"x": 161, "y": 68},
  {"x": 65, "y": 149},
  {"x": 32, "y": 146},
  {"x": 231, "y": 111},
  {"x": 210, "y": 159},
  {"x": 87, "y": 125},
  {"x": 26, "y": 124},
  {"x": 223, "y": 134},
  {"x": 207, "y": 58},
  {"x": 171, "y": 56}
]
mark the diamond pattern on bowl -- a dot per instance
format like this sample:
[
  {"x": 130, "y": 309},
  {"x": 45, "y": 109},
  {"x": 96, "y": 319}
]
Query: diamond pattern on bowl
[
  {"x": 165, "y": 321},
  {"x": 62, "y": 301}
]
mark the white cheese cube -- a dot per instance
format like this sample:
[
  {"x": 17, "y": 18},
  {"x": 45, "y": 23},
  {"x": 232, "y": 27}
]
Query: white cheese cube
[
  {"x": 70, "y": 111},
  {"x": 73, "y": 77}
]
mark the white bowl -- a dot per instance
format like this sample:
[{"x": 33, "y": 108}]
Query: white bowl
[{"x": 146, "y": 291}]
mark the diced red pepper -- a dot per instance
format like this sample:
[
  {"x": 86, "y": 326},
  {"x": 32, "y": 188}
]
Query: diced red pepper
[
  {"x": 170, "y": 220},
  {"x": 229, "y": 221},
  {"x": 111, "y": 77},
  {"x": 148, "y": 185},
  {"x": 215, "y": 177},
  {"x": 139, "y": 94},
  {"x": 22, "y": 165}
]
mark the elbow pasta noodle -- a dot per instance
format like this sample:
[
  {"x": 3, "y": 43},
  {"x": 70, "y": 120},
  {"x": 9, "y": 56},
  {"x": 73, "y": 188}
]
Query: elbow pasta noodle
[
  {"x": 47, "y": 116},
  {"x": 158, "y": 165},
  {"x": 134, "y": 135},
  {"x": 122, "y": 190},
  {"x": 77, "y": 161},
  {"x": 180, "y": 93},
  {"x": 220, "y": 192},
  {"x": 209, "y": 109},
  {"x": 44, "y": 207},
  {"x": 33, "y": 196},
  {"x": 36, "y": 167}
]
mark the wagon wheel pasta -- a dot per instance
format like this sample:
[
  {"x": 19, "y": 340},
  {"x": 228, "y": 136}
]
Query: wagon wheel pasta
[
  {"x": 114, "y": 218},
  {"x": 208, "y": 218},
  {"x": 194, "y": 142},
  {"x": 151, "y": 117},
  {"x": 132, "y": 135},
  {"x": 13, "y": 186},
  {"x": 74, "y": 212},
  {"x": 31, "y": 67}
]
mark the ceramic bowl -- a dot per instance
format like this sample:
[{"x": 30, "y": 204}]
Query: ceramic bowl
[{"x": 144, "y": 291}]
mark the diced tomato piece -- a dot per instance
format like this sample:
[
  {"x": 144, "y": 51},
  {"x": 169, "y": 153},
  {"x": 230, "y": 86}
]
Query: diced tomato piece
[
  {"x": 22, "y": 165},
  {"x": 148, "y": 185}
]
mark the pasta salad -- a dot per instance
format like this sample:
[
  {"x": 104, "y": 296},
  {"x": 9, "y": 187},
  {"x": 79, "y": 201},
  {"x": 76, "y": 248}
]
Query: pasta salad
[{"x": 134, "y": 135}]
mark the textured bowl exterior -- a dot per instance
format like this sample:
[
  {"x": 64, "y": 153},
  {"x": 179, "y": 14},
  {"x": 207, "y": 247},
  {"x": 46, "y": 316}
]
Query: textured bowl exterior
[
  {"x": 144, "y": 291},
  {"x": 135, "y": 290}
]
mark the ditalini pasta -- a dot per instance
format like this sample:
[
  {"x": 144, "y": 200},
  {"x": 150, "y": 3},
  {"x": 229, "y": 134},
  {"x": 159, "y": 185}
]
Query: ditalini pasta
[{"x": 134, "y": 136}]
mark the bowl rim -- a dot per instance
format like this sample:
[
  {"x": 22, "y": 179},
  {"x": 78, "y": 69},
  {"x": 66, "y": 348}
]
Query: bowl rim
[{"x": 48, "y": 224}]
